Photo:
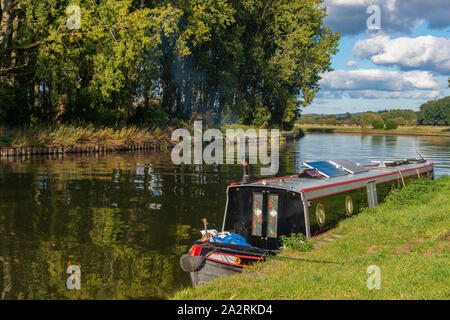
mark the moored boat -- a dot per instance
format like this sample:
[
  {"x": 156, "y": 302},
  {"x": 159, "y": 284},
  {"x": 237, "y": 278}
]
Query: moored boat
[{"x": 312, "y": 202}]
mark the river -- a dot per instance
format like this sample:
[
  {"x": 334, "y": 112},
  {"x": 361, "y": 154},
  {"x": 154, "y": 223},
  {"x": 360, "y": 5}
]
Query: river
[{"x": 125, "y": 219}]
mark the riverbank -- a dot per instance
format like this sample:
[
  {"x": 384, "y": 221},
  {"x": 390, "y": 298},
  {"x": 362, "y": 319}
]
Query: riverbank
[
  {"x": 89, "y": 139},
  {"x": 407, "y": 237},
  {"x": 410, "y": 131},
  {"x": 81, "y": 136},
  {"x": 80, "y": 139}
]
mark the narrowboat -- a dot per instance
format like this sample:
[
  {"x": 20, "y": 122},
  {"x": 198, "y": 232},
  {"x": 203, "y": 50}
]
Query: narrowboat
[{"x": 311, "y": 202}]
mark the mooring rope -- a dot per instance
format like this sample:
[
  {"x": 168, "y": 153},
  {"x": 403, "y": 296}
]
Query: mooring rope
[
  {"x": 273, "y": 256},
  {"x": 403, "y": 180}
]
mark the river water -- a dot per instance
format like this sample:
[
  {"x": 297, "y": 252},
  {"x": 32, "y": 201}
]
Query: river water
[{"x": 125, "y": 219}]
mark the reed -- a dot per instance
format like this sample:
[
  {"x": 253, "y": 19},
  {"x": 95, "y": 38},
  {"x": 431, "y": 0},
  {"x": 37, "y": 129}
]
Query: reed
[{"x": 82, "y": 136}]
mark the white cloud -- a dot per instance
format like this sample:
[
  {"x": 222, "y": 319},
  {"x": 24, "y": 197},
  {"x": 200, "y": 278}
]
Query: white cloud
[
  {"x": 375, "y": 94},
  {"x": 376, "y": 83},
  {"x": 397, "y": 16},
  {"x": 377, "y": 79},
  {"x": 422, "y": 53},
  {"x": 351, "y": 63}
]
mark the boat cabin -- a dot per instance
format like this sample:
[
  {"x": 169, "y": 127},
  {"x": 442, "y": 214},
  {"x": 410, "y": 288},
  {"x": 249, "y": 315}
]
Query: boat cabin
[{"x": 315, "y": 200}]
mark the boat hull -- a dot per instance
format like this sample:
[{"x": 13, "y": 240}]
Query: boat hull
[
  {"x": 212, "y": 270},
  {"x": 206, "y": 261}
]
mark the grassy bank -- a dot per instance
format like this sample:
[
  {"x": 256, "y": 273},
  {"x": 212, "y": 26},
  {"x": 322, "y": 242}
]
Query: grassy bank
[
  {"x": 407, "y": 237},
  {"x": 401, "y": 130},
  {"x": 85, "y": 136},
  {"x": 223, "y": 128},
  {"x": 81, "y": 136}
]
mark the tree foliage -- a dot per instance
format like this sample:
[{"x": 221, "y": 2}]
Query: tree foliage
[
  {"x": 435, "y": 112},
  {"x": 391, "y": 124},
  {"x": 257, "y": 62},
  {"x": 378, "y": 124}
]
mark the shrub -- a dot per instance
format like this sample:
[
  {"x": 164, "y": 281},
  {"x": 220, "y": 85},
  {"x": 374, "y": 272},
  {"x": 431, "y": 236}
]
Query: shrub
[
  {"x": 391, "y": 124},
  {"x": 378, "y": 124},
  {"x": 296, "y": 242},
  {"x": 401, "y": 121}
]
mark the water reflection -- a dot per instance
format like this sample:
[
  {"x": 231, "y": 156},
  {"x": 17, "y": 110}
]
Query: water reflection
[
  {"x": 372, "y": 147},
  {"x": 126, "y": 219}
]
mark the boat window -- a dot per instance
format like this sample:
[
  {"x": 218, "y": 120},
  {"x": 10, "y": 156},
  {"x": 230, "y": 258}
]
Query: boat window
[
  {"x": 272, "y": 216},
  {"x": 257, "y": 209},
  {"x": 320, "y": 214},
  {"x": 349, "y": 205}
]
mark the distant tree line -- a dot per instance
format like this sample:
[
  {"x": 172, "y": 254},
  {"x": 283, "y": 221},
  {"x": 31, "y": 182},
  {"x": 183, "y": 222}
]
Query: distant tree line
[
  {"x": 377, "y": 120},
  {"x": 145, "y": 61},
  {"x": 435, "y": 112}
]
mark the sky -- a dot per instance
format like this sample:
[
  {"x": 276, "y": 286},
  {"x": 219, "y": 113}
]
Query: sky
[{"x": 393, "y": 54}]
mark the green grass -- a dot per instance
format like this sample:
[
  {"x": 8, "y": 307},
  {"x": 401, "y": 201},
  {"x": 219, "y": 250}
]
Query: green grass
[
  {"x": 420, "y": 130},
  {"x": 407, "y": 237},
  {"x": 244, "y": 127}
]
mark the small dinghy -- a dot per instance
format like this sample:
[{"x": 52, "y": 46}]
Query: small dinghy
[
  {"x": 311, "y": 202},
  {"x": 219, "y": 254}
]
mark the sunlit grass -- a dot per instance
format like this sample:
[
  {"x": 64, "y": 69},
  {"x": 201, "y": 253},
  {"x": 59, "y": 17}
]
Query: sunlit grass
[
  {"x": 407, "y": 237},
  {"x": 82, "y": 136},
  {"x": 357, "y": 129}
]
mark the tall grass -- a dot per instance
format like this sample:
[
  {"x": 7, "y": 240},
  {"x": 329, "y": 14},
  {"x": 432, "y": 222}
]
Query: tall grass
[{"x": 71, "y": 136}]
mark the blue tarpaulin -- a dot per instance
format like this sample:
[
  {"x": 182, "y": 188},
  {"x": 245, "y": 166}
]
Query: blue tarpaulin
[{"x": 236, "y": 239}]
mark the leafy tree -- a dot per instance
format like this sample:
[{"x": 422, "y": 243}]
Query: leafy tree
[
  {"x": 307, "y": 119},
  {"x": 353, "y": 121},
  {"x": 257, "y": 62},
  {"x": 435, "y": 112},
  {"x": 391, "y": 124},
  {"x": 406, "y": 115},
  {"x": 367, "y": 118},
  {"x": 378, "y": 124}
]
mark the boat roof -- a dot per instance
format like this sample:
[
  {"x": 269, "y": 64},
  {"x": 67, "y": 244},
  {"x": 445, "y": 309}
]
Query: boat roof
[{"x": 317, "y": 179}]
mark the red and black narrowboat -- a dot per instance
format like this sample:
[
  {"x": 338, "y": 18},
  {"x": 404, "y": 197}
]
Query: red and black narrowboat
[{"x": 311, "y": 202}]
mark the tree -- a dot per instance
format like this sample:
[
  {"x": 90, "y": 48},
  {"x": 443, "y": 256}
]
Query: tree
[
  {"x": 257, "y": 62},
  {"x": 401, "y": 121},
  {"x": 435, "y": 112},
  {"x": 391, "y": 124},
  {"x": 378, "y": 124},
  {"x": 307, "y": 119},
  {"x": 367, "y": 118}
]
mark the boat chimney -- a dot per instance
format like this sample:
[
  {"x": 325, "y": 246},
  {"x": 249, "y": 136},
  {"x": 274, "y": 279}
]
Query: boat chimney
[{"x": 245, "y": 174}]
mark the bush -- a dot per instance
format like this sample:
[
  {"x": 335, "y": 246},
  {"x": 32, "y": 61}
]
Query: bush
[
  {"x": 367, "y": 118},
  {"x": 401, "y": 121},
  {"x": 296, "y": 242},
  {"x": 391, "y": 124},
  {"x": 378, "y": 124}
]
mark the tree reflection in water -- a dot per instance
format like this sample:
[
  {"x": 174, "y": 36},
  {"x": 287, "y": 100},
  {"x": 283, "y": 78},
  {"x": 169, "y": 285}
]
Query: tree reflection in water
[{"x": 127, "y": 218}]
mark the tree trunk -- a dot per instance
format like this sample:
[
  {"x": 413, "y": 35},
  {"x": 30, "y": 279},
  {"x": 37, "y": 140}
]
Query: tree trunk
[
  {"x": 62, "y": 102},
  {"x": 4, "y": 24},
  {"x": 15, "y": 24},
  {"x": 36, "y": 96}
]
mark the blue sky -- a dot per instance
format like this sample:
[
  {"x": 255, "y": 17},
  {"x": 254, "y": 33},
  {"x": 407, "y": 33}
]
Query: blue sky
[{"x": 401, "y": 65}]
